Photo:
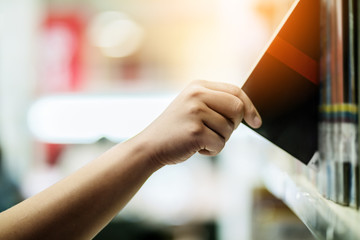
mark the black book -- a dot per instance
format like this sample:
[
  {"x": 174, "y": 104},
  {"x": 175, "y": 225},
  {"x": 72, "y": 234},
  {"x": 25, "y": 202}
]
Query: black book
[{"x": 283, "y": 84}]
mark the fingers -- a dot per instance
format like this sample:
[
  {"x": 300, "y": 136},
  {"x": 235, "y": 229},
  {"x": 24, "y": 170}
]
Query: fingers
[
  {"x": 218, "y": 123},
  {"x": 251, "y": 116},
  {"x": 221, "y": 108},
  {"x": 228, "y": 105},
  {"x": 201, "y": 119},
  {"x": 210, "y": 143}
]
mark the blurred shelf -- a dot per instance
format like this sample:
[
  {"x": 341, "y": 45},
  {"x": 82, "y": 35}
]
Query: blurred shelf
[
  {"x": 87, "y": 118},
  {"x": 324, "y": 218}
]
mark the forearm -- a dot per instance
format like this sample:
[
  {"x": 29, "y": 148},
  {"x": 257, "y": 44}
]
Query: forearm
[
  {"x": 201, "y": 119},
  {"x": 75, "y": 209}
]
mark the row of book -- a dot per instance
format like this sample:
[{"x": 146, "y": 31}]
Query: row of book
[
  {"x": 305, "y": 87},
  {"x": 338, "y": 176}
]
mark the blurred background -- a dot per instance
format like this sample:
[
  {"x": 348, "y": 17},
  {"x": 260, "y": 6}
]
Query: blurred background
[{"x": 66, "y": 65}]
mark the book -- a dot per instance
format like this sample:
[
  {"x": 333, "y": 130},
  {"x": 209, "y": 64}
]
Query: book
[
  {"x": 284, "y": 82},
  {"x": 356, "y": 8},
  {"x": 324, "y": 178}
]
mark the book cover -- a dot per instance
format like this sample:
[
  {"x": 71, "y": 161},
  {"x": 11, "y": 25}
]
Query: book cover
[{"x": 283, "y": 84}]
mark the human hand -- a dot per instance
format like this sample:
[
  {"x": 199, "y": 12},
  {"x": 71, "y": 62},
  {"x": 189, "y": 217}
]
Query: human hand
[{"x": 200, "y": 119}]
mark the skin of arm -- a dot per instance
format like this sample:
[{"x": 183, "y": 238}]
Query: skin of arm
[{"x": 201, "y": 119}]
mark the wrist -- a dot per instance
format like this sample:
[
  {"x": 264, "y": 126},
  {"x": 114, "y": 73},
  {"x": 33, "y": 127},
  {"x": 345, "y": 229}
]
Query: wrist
[{"x": 142, "y": 150}]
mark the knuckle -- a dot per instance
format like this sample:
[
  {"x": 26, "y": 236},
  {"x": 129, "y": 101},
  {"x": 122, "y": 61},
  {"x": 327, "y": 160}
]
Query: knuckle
[
  {"x": 234, "y": 90},
  {"x": 198, "y": 82},
  {"x": 231, "y": 128},
  {"x": 252, "y": 110},
  {"x": 238, "y": 106},
  {"x": 196, "y": 92},
  {"x": 196, "y": 109},
  {"x": 196, "y": 130},
  {"x": 228, "y": 130}
]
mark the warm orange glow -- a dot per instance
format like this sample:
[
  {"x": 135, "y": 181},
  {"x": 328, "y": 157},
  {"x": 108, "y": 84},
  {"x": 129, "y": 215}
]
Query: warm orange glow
[{"x": 294, "y": 59}]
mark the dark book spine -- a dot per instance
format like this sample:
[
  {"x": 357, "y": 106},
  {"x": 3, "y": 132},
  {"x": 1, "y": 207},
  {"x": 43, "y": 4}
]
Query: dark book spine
[{"x": 356, "y": 7}]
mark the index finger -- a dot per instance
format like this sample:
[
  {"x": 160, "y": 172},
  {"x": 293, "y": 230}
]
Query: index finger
[{"x": 251, "y": 115}]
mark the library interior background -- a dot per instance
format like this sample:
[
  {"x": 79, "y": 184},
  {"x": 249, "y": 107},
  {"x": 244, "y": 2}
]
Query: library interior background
[{"x": 65, "y": 64}]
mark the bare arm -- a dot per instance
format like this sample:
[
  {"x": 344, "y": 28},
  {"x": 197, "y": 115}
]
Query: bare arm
[{"x": 201, "y": 119}]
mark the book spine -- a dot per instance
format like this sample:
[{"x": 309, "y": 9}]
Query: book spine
[
  {"x": 323, "y": 96},
  {"x": 356, "y": 7},
  {"x": 333, "y": 170},
  {"x": 343, "y": 160},
  {"x": 353, "y": 154}
]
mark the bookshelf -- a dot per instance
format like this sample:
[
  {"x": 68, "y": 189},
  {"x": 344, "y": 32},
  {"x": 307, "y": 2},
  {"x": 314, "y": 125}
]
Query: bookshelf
[
  {"x": 324, "y": 218},
  {"x": 332, "y": 41}
]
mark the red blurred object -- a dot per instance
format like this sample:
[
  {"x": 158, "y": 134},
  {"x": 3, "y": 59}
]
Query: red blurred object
[
  {"x": 53, "y": 152},
  {"x": 130, "y": 71},
  {"x": 61, "y": 52}
]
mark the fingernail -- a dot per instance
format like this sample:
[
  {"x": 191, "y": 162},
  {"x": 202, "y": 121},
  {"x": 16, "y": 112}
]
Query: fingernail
[{"x": 257, "y": 121}]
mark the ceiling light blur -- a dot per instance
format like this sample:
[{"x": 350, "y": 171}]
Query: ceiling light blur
[{"x": 116, "y": 34}]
